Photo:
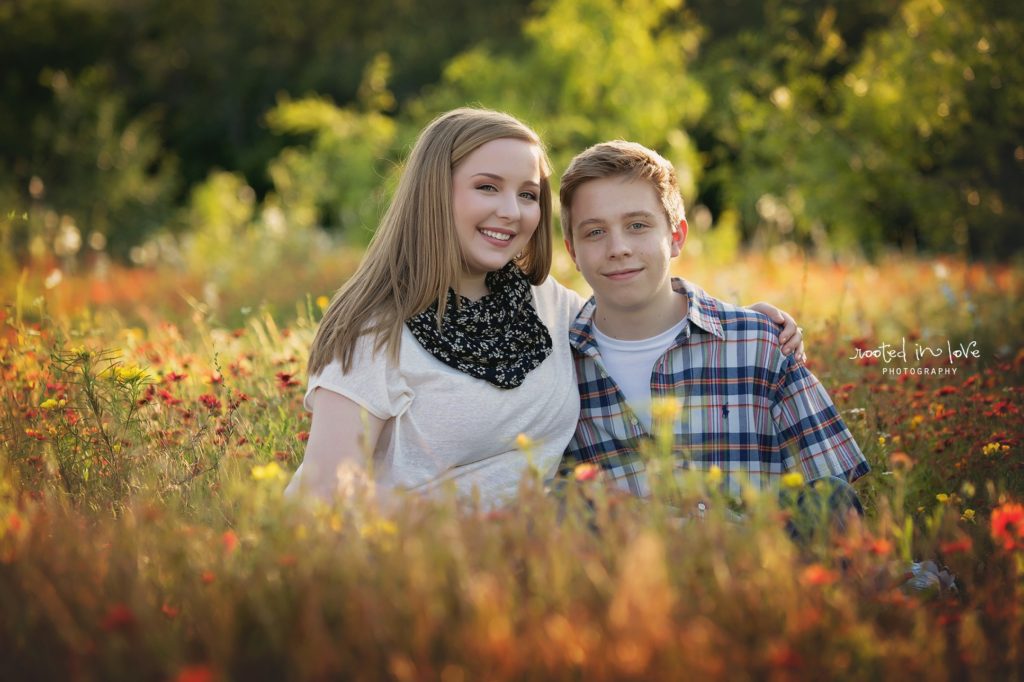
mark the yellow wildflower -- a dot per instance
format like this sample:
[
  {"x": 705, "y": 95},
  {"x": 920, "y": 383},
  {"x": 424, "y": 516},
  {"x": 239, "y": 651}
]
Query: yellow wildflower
[
  {"x": 322, "y": 302},
  {"x": 794, "y": 479},
  {"x": 378, "y": 528},
  {"x": 268, "y": 472},
  {"x": 665, "y": 409},
  {"x": 524, "y": 442},
  {"x": 127, "y": 375},
  {"x": 881, "y": 440},
  {"x": 916, "y": 421},
  {"x": 993, "y": 448},
  {"x": 50, "y": 404},
  {"x": 968, "y": 515},
  {"x": 942, "y": 497},
  {"x": 715, "y": 475}
]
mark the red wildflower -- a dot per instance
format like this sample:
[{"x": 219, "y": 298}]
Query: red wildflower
[
  {"x": 207, "y": 576},
  {"x": 195, "y": 673},
  {"x": 946, "y": 390},
  {"x": 1001, "y": 409},
  {"x": 286, "y": 380},
  {"x": 1007, "y": 525},
  {"x": 168, "y": 398},
  {"x": 230, "y": 541},
  {"x": 147, "y": 395},
  {"x": 956, "y": 546},
  {"x": 211, "y": 402},
  {"x": 119, "y": 618},
  {"x": 170, "y": 611},
  {"x": 302, "y": 436},
  {"x": 174, "y": 377}
]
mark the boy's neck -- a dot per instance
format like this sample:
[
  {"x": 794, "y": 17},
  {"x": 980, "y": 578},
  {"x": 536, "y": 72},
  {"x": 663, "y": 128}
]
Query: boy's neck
[{"x": 642, "y": 322}]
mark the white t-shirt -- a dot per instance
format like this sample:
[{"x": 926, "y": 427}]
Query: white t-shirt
[
  {"x": 630, "y": 363},
  {"x": 442, "y": 424}
]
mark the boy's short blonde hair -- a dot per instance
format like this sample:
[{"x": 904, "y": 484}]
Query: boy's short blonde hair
[{"x": 629, "y": 160}]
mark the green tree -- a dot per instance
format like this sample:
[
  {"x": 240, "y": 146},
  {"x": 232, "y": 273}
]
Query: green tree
[{"x": 589, "y": 70}]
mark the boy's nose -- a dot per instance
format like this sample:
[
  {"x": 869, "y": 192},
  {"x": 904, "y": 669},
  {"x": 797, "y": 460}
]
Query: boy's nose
[{"x": 618, "y": 246}]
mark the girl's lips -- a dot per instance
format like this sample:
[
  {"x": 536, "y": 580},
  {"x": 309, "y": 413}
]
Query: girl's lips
[{"x": 496, "y": 241}]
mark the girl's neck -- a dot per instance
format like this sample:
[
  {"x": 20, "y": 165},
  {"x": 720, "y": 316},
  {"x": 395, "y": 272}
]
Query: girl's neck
[{"x": 472, "y": 287}]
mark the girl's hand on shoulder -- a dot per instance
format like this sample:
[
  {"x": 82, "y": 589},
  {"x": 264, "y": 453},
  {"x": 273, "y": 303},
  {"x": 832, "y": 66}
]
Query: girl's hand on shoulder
[{"x": 791, "y": 335}]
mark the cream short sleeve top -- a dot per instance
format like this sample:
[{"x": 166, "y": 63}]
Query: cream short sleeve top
[{"x": 443, "y": 425}]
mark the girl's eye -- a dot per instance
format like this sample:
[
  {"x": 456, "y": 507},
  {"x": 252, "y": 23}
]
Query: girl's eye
[
  {"x": 487, "y": 188},
  {"x": 529, "y": 196}
]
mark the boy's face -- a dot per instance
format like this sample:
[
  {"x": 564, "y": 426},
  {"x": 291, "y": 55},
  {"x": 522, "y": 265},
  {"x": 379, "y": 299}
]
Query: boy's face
[{"x": 622, "y": 242}]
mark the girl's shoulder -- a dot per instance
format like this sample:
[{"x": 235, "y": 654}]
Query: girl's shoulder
[{"x": 552, "y": 296}]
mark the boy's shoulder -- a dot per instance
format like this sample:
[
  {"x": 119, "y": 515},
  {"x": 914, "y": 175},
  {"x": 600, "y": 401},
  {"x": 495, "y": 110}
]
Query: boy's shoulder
[{"x": 731, "y": 319}]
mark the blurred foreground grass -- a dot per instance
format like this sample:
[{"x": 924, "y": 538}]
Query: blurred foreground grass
[{"x": 149, "y": 426}]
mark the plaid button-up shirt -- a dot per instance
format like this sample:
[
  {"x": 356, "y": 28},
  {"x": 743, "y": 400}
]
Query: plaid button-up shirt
[{"x": 745, "y": 407}]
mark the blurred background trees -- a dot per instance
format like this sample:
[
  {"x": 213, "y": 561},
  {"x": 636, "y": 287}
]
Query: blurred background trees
[{"x": 834, "y": 124}]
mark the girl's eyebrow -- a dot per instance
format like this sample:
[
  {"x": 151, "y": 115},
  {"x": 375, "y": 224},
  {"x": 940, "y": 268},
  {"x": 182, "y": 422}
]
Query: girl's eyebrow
[{"x": 495, "y": 176}]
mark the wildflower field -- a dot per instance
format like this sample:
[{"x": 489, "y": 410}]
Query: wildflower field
[{"x": 147, "y": 431}]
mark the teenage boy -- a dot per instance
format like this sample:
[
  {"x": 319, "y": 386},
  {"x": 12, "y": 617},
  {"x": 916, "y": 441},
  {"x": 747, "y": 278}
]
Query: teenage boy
[{"x": 745, "y": 407}]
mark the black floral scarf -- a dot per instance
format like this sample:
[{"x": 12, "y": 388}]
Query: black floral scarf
[{"x": 498, "y": 338}]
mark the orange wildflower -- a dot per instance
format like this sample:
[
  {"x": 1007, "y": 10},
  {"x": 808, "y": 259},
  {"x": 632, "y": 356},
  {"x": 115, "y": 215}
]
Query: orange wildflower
[
  {"x": 880, "y": 547},
  {"x": 586, "y": 472},
  {"x": 816, "y": 574},
  {"x": 1007, "y": 526}
]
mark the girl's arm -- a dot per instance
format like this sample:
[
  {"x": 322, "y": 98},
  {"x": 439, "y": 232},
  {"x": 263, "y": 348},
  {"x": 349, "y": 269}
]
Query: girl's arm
[
  {"x": 341, "y": 442},
  {"x": 791, "y": 336}
]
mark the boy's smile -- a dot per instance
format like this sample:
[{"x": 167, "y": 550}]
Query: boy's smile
[{"x": 623, "y": 246}]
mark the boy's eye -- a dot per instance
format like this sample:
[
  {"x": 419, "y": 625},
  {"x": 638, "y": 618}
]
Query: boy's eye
[
  {"x": 596, "y": 232},
  {"x": 637, "y": 226}
]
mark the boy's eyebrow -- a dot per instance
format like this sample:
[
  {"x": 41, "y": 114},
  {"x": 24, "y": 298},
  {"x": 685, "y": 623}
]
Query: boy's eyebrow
[
  {"x": 495, "y": 176},
  {"x": 624, "y": 216}
]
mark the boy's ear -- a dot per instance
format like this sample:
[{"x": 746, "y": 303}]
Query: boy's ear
[
  {"x": 572, "y": 253},
  {"x": 678, "y": 237}
]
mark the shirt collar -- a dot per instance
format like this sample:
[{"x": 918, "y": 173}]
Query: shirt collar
[{"x": 702, "y": 311}]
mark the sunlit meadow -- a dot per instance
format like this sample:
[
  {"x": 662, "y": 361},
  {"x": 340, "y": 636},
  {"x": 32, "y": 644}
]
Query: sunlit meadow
[{"x": 149, "y": 426}]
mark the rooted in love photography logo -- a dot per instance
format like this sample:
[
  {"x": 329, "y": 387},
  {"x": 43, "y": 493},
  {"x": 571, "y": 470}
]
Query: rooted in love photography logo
[{"x": 897, "y": 357}]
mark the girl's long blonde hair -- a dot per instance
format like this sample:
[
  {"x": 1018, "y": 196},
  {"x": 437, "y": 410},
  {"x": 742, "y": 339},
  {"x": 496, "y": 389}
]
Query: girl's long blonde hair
[{"x": 414, "y": 257}]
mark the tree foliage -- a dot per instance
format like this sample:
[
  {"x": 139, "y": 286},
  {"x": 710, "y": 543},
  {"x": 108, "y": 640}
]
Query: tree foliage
[{"x": 845, "y": 123}]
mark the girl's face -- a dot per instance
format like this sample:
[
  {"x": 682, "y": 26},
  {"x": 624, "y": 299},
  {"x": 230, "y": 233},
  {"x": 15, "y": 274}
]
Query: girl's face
[{"x": 496, "y": 200}]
